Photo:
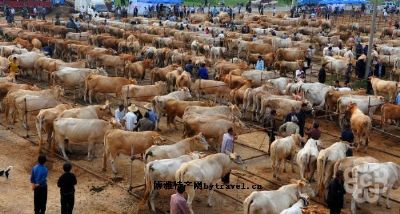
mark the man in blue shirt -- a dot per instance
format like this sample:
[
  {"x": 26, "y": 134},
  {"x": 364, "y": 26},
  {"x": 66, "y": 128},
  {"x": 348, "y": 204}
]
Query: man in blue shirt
[
  {"x": 189, "y": 67},
  {"x": 39, "y": 185},
  {"x": 398, "y": 99},
  {"x": 203, "y": 72},
  {"x": 260, "y": 64}
]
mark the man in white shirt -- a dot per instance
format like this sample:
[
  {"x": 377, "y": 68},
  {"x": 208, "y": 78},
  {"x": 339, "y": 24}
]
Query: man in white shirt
[
  {"x": 131, "y": 118},
  {"x": 119, "y": 114},
  {"x": 221, "y": 37},
  {"x": 299, "y": 74}
]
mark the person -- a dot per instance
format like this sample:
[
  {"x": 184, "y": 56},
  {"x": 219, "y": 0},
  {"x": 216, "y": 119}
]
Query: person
[
  {"x": 135, "y": 11},
  {"x": 221, "y": 37},
  {"x": 178, "y": 204},
  {"x": 245, "y": 29},
  {"x": 66, "y": 183},
  {"x": 322, "y": 75},
  {"x": 78, "y": 25},
  {"x": 385, "y": 14},
  {"x": 189, "y": 66},
  {"x": 285, "y": 36},
  {"x": 254, "y": 37},
  {"x": 273, "y": 11},
  {"x": 347, "y": 75},
  {"x": 309, "y": 56},
  {"x": 299, "y": 73},
  {"x": 336, "y": 193},
  {"x": 227, "y": 147},
  {"x": 337, "y": 84},
  {"x": 272, "y": 125},
  {"x": 13, "y": 67},
  {"x": 203, "y": 72},
  {"x": 359, "y": 50},
  {"x": 119, "y": 113},
  {"x": 330, "y": 51},
  {"x": 71, "y": 24},
  {"x": 360, "y": 66},
  {"x": 39, "y": 185},
  {"x": 314, "y": 133},
  {"x": 398, "y": 99},
  {"x": 348, "y": 136},
  {"x": 380, "y": 70},
  {"x": 301, "y": 116},
  {"x": 57, "y": 22},
  {"x": 130, "y": 118},
  {"x": 145, "y": 124},
  {"x": 260, "y": 64}
]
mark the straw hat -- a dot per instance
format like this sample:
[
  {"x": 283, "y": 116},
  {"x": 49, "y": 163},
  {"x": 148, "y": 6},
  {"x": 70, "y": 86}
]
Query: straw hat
[
  {"x": 133, "y": 108},
  {"x": 148, "y": 106}
]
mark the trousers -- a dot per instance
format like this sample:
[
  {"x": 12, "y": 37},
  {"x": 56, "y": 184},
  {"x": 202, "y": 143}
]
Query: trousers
[
  {"x": 67, "y": 203},
  {"x": 40, "y": 199}
]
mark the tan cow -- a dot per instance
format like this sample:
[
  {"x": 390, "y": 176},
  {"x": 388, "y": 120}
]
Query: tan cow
[
  {"x": 103, "y": 84},
  {"x": 285, "y": 67},
  {"x": 183, "y": 80},
  {"x": 290, "y": 54},
  {"x": 283, "y": 149},
  {"x": 138, "y": 69},
  {"x": 143, "y": 92},
  {"x": 128, "y": 143},
  {"x": 217, "y": 88},
  {"x": 389, "y": 112},
  {"x": 383, "y": 86},
  {"x": 361, "y": 125},
  {"x": 45, "y": 119},
  {"x": 333, "y": 96},
  {"x": 176, "y": 108},
  {"x": 88, "y": 112}
]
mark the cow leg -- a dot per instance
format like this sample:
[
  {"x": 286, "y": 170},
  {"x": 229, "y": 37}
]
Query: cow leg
[
  {"x": 190, "y": 192},
  {"x": 387, "y": 196},
  {"x": 302, "y": 172},
  {"x": 210, "y": 193},
  {"x": 62, "y": 147},
  {"x": 90, "y": 96},
  {"x": 293, "y": 160},
  {"x": 90, "y": 148},
  {"x": 151, "y": 200}
]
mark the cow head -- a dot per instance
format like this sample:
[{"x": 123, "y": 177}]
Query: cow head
[
  {"x": 351, "y": 108},
  {"x": 132, "y": 81},
  {"x": 186, "y": 92},
  {"x": 304, "y": 187},
  {"x": 237, "y": 160},
  {"x": 104, "y": 110},
  {"x": 158, "y": 140},
  {"x": 197, "y": 155},
  {"x": 57, "y": 91},
  {"x": 199, "y": 142}
]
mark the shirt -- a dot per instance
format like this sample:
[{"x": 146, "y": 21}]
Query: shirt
[
  {"x": 227, "y": 143},
  {"x": 178, "y": 205},
  {"x": 66, "y": 183},
  {"x": 314, "y": 134},
  {"x": 203, "y": 73},
  {"x": 131, "y": 121},
  {"x": 39, "y": 175},
  {"x": 119, "y": 115},
  {"x": 152, "y": 116},
  {"x": 347, "y": 135},
  {"x": 146, "y": 125},
  {"x": 398, "y": 99},
  {"x": 299, "y": 73},
  {"x": 14, "y": 67},
  {"x": 260, "y": 65},
  {"x": 189, "y": 67}
]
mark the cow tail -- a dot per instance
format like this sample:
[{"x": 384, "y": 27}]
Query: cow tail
[
  {"x": 105, "y": 152},
  {"x": 39, "y": 125},
  {"x": 383, "y": 117},
  {"x": 247, "y": 204},
  {"x": 273, "y": 151},
  {"x": 308, "y": 158},
  {"x": 336, "y": 166},
  {"x": 148, "y": 184}
]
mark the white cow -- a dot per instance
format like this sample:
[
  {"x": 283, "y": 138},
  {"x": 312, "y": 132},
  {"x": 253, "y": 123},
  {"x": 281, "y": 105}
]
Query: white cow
[
  {"x": 280, "y": 83},
  {"x": 307, "y": 159},
  {"x": 258, "y": 77},
  {"x": 185, "y": 146},
  {"x": 316, "y": 93},
  {"x": 207, "y": 170},
  {"x": 325, "y": 163},
  {"x": 162, "y": 170},
  {"x": 369, "y": 176},
  {"x": 275, "y": 201},
  {"x": 298, "y": 206}
]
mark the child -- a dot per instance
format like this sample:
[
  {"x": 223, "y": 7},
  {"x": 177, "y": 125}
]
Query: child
[{"x": 66, "y": 183}]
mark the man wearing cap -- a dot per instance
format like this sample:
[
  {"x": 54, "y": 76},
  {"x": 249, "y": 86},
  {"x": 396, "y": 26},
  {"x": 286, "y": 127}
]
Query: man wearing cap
[{"x": 131, "y": 118}]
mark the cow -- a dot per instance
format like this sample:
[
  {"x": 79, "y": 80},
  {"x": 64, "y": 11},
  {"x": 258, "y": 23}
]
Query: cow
[
  {"x": 216, "y": 165},
  {"x": 128, "y": 143},
  {"x": 218, "y": 88},
  {"x": 316, "y": 93},
  {"x": 138, "y": 69},
  {"x": 346, "y": 165},
  {"x": 361, "y": 125},
  {"x": 183, "y": 80},
  {"x": 325, "y": 163},
  {"x": 88, "y": 112},
  {"x": 279, "y": 83},
  {"x": 282, "y": 149},
  {"x": 306, "y": 159},
  {"x": 285, "y": 67},
  {"x": 378, "y": 178},
  {"x": 389, "y": 112},
  {"x": 90, "y": 131},
  {"x": 298, "y": 206},
  {"x": 337, "y": 66},
  {"x": 185, "y": 146},
  {"x": 229, "y": 112},
  {"x": 44, "y": 121},
  {"x": 160, "y": 101},
  {"x": 333, "y": 96},
  {"x": 98, "y": 83},
  {"x": 282, "y": 104},
  {"x": 176, "y": 108},
  {"x": 276, "y": 201},
  {"x": 290, "y": 54},
  {"x": 143, "y": 92},
  {"x": 162, "y": 170},
  {"x": 257, "y": 77},
  {"x": 367, "y": 104},
  {"x": 383, "y": 86},
  {"x": 237, "y": 95}
]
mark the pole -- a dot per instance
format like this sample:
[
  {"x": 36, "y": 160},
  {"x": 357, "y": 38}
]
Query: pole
[{"x": 371, "y": 38}]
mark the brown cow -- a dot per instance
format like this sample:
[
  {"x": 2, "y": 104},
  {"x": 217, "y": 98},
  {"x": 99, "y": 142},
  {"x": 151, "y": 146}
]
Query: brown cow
[
  {"x": 390, "y": 112},
  {"x": 98, "y": 83},
  {"x": 333, "y": 96},
  {"x": 176, "y": 108},
  {"x": 138, "y": 69},
  {"x": 360, "y": 124}
]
